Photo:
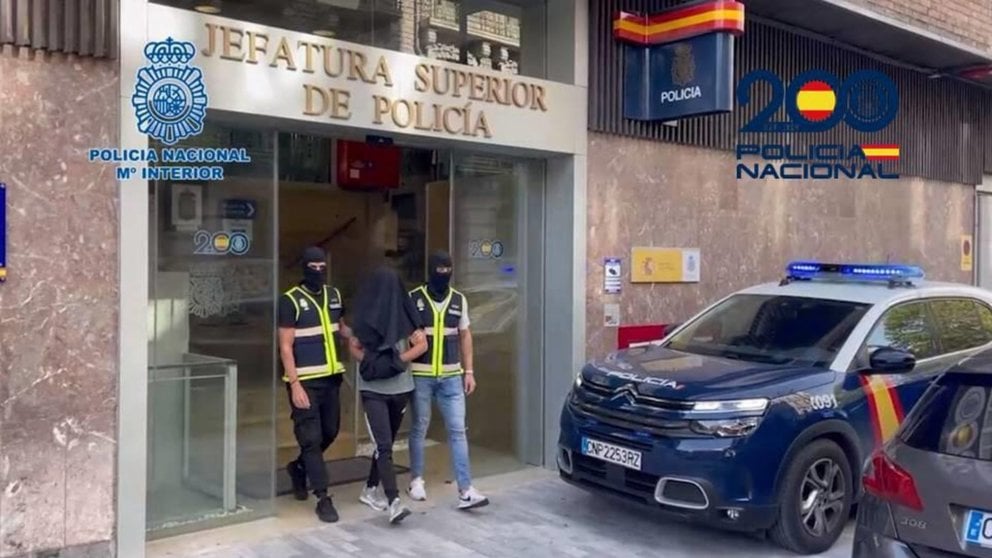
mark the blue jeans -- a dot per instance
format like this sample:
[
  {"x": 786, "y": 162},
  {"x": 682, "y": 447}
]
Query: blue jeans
[{"x": 450, "y": 395}]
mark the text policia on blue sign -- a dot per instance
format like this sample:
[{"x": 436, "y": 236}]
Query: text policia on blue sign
[
  {"x": 815, "y": 102},
  {"x": 679, "y": 62}
]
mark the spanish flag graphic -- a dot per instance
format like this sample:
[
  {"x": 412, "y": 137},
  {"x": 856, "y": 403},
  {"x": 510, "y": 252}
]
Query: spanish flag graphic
[
  {"x": 880, "y": 151},
  {"x": 885, "y": 409},
  {"x": 816, "y": 101}
]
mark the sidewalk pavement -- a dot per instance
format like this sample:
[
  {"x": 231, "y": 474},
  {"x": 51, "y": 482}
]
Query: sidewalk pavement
[{"x": 542, "y": 517}]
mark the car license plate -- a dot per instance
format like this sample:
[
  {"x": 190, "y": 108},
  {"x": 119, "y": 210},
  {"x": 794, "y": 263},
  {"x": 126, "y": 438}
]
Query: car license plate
[
  {"x": 978, "y": 528},
  {"x": 612, "y": 454}
]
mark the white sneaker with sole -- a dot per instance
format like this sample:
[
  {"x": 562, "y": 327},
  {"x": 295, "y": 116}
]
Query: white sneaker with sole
[
  {"x": 418, "y": 491},
  {"x": 471, "y": 499},
  {"x": 371, "y": 498},
  {"x": 397, "y": 511}
]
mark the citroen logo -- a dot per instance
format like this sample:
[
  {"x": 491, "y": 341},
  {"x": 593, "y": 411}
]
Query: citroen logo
[{"x": 629, "y": 391}]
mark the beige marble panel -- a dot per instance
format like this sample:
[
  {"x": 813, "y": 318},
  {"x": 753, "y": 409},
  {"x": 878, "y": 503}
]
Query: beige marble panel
[
  {"x": 644, "y": 193},
  {"x": 58, "y": 308}
]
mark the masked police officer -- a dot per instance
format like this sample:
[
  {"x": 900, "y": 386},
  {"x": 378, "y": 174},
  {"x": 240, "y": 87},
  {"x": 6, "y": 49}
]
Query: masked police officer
[
  {"x": 312, "y": 341},
  {"x": 443, "y": 374}
]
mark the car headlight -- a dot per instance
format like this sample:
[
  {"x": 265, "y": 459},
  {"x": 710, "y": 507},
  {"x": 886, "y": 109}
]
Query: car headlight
[
  {"x": 736, "y": 406},
  {"x": 728, "y": 428}
]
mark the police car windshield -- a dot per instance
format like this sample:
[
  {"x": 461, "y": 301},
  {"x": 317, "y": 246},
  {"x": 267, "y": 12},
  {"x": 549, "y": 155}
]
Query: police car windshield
[{"x": 786, "y": 330}]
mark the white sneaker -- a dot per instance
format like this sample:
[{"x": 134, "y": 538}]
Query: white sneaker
[
  {"x": 397, "y": 511},
  {"x": 471, "y": 499},
  {"x": 371, "y": 498},
  {"x": 418, "y": 491}
]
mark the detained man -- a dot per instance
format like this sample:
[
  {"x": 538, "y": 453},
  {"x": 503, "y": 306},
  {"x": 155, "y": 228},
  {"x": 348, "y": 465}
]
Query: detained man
[
  {"x": 387, "y": 337},
  {"x": 443, "y": 375}
]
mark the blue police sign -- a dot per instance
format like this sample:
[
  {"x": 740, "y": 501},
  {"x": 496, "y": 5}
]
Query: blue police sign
[
  {"x": 239, "y": 209},
  {"x": 688, "y": 78},
  {"x": 680, "y": 62}
]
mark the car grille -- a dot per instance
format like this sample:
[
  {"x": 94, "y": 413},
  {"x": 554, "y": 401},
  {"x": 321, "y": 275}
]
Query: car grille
[
  {"x": 684, "y": 493},
  {"x": 640, "y": 400},
  {"x": 634, "y": 482},
  {"x": 632, "y": 422}
]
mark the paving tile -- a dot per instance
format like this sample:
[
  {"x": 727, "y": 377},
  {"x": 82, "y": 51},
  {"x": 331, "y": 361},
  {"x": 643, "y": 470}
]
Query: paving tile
[{"x": 543, "y": 518}]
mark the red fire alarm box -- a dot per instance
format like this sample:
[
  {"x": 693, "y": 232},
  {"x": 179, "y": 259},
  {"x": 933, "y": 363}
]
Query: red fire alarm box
[{"x": 361, "y": 166}]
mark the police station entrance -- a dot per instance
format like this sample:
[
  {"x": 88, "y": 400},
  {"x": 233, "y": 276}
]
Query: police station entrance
[{"x": 222, "y": 253}]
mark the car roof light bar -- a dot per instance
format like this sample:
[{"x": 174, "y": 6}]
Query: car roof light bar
[{"x": 893, "y": 274}]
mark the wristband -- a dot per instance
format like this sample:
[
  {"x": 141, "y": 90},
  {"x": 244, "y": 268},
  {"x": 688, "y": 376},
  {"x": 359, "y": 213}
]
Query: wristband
[{"x": 469, "y": 372}]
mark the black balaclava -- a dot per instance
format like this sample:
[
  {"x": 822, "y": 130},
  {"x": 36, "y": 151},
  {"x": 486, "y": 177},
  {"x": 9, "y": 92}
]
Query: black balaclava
[
  {"x": 312, "y": 279},
  {"x": 437, "y": 283}
]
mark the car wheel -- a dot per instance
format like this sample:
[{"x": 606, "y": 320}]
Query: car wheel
[{"x": 814, "y": 499}]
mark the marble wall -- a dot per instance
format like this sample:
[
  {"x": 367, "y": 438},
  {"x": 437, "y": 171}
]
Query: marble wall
[
  {"x": 58, "y": 308},
  {"x": 644, "y": 193}
]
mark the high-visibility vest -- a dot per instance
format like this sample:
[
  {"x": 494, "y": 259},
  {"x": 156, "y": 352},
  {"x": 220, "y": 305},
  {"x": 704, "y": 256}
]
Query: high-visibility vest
[
  {"x": 317, "y": 339},
  {"x": 443, "y": 356}
]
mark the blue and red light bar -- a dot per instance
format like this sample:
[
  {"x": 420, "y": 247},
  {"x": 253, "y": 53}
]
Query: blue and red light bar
[{"x": 854, "y": 272}]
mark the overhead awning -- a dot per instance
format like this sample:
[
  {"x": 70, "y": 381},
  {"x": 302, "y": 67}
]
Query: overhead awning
[{"x": 865, "y": 29}]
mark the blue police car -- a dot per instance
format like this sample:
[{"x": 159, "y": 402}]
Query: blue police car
[{"x": 759, "y": 413}]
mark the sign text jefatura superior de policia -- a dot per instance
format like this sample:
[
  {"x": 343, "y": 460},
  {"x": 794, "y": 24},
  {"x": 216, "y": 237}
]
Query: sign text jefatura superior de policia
[{"x": 468, "y": 92}]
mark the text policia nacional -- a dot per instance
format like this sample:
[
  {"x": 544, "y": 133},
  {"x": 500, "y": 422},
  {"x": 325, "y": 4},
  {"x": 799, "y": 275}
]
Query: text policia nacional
[{"x": 464, "y": 116}]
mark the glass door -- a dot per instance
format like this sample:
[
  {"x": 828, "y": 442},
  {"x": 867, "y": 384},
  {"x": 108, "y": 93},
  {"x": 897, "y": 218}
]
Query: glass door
[
  {"x": 212, "y": 343},
  {"x": 488, "y": 216}
]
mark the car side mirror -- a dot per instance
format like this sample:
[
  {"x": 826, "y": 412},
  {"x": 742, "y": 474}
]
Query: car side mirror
[{"x": 887, "y": 360}]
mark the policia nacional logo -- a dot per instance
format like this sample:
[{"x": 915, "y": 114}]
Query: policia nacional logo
[{"x": 170, "y": 99}]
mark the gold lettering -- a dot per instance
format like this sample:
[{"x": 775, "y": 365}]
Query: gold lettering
[
  {"x": 497, "y": 88},
  {"x": 478, "y": 92},
  {"x": 254, "y": 48},
  {"x": 381, "y": 107},
  {"x": 232, "y": 44},
  {"x": 329, "y": 63},
  {"x": 382, "y": 71},
  {"x": 460, "y": 79},
  {"x": 310, "y": 110},
  {"x": 310, "y": 49},
  {"x": 418, "y": 122},
  {"x": 539, "y": 99},
  {"x": 448, "y": 126},
  {"x": 285, "y": 54},
  {"x": 518, "y": 89},
  {"x": 340, "y": 104},
  {"x": 358, "y": 63},
  {"x": 211, "y": 40},
  {"x": 482, "y": 123},
  {"x": 408, "y": 116},
  {"x": 437, "y": 73},
  {"x": 422, "y": 81}
]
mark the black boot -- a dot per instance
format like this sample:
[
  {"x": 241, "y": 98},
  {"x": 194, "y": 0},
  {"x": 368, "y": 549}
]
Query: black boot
[
  {"x": 326, "y": 511},
  {"x": 299, "y": 479}
]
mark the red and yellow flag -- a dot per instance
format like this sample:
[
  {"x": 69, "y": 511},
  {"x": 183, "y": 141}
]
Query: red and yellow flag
[
  {"x": 880, "y": 152},
  {"x": 816, "y": 101},
  {"x": 884, "y": 407}
]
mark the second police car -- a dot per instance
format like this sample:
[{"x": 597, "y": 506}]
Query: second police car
[{"x": 758, "y": 414}]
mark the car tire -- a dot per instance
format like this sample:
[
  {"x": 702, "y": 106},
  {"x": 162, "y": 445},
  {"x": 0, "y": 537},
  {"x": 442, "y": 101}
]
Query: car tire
[{"x": 815, "y": 499}]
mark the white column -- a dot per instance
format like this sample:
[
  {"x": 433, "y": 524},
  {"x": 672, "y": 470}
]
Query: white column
[{"x": 133, "y": 268}]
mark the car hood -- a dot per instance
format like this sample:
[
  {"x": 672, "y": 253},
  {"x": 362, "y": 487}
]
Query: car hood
[{"x": 668, "y": 374}]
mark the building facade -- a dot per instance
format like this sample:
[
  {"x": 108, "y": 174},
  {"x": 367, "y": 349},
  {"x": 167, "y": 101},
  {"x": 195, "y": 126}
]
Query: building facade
[{"x": 115, "y": 322}]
